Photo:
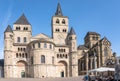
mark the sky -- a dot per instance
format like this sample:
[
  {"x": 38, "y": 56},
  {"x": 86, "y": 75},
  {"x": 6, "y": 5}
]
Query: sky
[{"x": 102, "y": 16}]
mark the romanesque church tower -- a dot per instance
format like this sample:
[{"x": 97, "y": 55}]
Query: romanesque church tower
[
  {"x": 59, "y": 27},
  {"x": 15, "y": 52}
]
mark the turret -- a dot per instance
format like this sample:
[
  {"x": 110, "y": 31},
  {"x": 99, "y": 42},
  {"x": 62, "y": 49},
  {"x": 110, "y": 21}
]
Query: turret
[
  {"x": 8, "y": 37},
  {"x": 73, "y": 53},
  {"x": 72, "y": 40},
  {"x": 8, "y": 46}
]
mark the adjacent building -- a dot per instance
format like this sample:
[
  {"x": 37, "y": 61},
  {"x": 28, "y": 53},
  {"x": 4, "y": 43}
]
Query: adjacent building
[{"x": 51, "y": 56}]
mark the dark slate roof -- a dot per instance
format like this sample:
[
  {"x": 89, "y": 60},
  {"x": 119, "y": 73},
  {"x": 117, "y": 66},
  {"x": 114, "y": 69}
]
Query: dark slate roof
[
  {"x": 82, "y": 47},
  {"x": 91, "y": 33},
  {"x": 72, "y": 32},
  {"x": 8, "y": 29},
  {"x": 59, "y": 10},
  {"x": 1, "y": 62},
  {"x": 22, "y": 20}
]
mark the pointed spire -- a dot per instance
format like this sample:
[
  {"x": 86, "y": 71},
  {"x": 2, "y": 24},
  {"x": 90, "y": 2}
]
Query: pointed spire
[
  {"x": 72, "y": 32},
  {"x": 8, "y": 29},
  {"x": 59, "y": 10},
  {"x": 22, "y": 20}
]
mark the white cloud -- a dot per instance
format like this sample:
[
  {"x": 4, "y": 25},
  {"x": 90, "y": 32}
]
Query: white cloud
[{"x": 4, "y": 23}]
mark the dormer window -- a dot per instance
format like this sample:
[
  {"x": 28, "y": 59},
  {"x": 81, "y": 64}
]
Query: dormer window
[
  {"x": 63, "y": 21},
  {"x": 57, "y": 21}
]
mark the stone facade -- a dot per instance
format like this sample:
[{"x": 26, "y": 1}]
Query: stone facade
[
  {"x": 95, "y": 53},
  {"x": 56, "y": 56}
]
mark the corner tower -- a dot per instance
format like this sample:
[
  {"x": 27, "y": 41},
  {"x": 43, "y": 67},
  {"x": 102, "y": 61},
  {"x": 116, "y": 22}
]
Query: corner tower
[
  {"x": 8, "y": 46},
  {"x": 73, "y": 60},
  {"x": 59, "y": 27}
]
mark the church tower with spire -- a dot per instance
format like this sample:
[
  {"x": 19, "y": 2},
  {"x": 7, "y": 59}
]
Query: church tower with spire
[{"x": 59, "y": 26}]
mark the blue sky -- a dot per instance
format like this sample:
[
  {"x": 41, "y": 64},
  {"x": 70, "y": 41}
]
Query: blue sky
[{"x": 102, "y": 16}]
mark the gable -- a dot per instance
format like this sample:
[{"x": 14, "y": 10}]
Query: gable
[
  {"x": 43, "y": 36},
  {"x": 105, "y": 41}
]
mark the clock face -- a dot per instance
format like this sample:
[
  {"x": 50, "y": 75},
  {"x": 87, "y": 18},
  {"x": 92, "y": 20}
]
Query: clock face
[{"x": 60, "y": 36}]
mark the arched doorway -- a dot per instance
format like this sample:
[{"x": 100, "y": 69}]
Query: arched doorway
[
  {"x": 21, "y": 69},
  {"x": 62, "y": 69}
]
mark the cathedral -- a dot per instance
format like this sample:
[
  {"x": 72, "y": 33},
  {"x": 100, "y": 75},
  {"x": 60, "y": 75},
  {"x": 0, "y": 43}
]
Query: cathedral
[{"x": 42, "y": 56}]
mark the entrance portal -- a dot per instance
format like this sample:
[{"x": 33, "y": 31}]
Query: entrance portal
[
  {"x": 62, "y": 69},
  {"x": 21, "y": 69}
]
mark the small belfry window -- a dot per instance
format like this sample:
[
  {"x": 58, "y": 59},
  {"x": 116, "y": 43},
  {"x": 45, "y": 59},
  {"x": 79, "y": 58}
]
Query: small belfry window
[
  {"x": 18, "y": 39},
  {"x": 57, "y": 30},
  {"x": 25, "y": 40},
  {"x": 57, "y": 21},
  {"x": 42, "y": 59},
  {"x": 16, "y": 28},
  {"x": 63, "y": 21},
  {"x": 64, "y": 30}
]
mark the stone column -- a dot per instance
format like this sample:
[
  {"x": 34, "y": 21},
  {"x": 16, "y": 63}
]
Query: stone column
[
  {"x": 86, "y": 62},
  {"x": 99, "y": 57}
]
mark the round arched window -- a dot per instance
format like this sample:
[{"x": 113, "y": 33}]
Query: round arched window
[
  {"x": 57, "y": 21},
  {"x": 63, "y": 21}
]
